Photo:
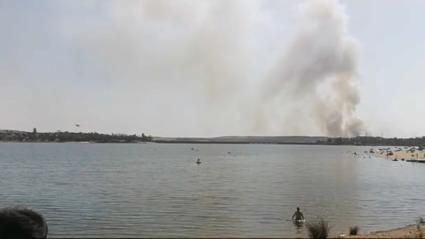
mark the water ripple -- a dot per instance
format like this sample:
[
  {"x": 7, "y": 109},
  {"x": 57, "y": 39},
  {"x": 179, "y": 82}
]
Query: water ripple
[{"x": 152, "y": 190}]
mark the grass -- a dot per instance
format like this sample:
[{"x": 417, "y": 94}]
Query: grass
[
  {"x": 354, "y": 230},
  {"x": 318, "y": 229},
  {"x": 420, "y": 221},
  {"x": 419, "y": 234}
]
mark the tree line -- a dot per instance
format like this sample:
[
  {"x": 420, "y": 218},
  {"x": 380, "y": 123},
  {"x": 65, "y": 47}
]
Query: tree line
[{"x": 22, "y": 136}]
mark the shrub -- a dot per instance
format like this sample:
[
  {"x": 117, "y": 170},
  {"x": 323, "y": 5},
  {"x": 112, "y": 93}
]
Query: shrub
[
  {"x": 354, "y": 230},
  {"x": 420, "y": 221},
  {"x": 318, "y": 229}
]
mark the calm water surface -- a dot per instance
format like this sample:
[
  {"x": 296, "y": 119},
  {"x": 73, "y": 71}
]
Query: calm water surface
[{"x": 157, "y": 190}]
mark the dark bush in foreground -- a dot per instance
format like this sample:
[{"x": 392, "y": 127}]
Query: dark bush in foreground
[
  {"x": 354, "y": 230},
  {"x": 318, "y": 229}
]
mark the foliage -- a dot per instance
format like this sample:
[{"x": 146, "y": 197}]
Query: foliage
[
  {"x": 21, "y": 136},
  {"x": 318, "y": 229},
  {"x": 354, "y": 230}
]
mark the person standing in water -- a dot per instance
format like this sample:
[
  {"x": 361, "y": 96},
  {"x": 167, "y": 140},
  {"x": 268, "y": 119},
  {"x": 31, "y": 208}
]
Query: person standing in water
[{"x": 298, "y": 215}]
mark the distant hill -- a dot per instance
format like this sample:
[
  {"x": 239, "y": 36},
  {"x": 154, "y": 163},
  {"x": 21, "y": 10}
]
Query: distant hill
[
  {"x": 8, "y": 131},
  {"x": 359, "y": 140},
  {"x": 24, "y": 136},
  {"x": 247, "y": 139}
]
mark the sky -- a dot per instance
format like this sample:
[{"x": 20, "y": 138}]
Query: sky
[{"x": 214, "y": 67}]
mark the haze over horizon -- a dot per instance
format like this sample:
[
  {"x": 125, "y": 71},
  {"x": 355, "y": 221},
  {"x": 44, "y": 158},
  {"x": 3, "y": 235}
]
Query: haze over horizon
[{"x": 214, "y": 68}]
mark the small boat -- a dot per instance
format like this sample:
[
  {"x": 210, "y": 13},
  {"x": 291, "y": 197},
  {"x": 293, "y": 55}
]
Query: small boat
[{"x": 198, "y": 161}]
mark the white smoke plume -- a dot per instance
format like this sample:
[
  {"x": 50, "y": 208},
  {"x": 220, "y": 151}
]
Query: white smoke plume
[
  {"x": 190, "y": 57},
  {"x": 313, "y": 86},
  {"x": 197, "y": 68}
]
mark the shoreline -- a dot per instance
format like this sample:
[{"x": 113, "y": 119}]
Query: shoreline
[
  {"x": 408, "y": 154},
  {"x": 205, "y": 142},
  {"x": 94, "y": 137},
  {"x": 409, "y": 231}
]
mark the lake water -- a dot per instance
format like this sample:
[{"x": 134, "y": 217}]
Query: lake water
[{"x": 157, "y": 190}]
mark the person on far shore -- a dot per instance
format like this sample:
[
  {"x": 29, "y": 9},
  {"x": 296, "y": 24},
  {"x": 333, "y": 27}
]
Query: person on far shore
[
  {"x": 298, "y": 215},
  {"x": 21, "y": 222}
]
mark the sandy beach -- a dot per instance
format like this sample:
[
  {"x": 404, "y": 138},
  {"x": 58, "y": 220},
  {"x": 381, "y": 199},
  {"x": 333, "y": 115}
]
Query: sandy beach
[
  {"x": 410, "y": 231},
  {"x": 403, "y": 154}
]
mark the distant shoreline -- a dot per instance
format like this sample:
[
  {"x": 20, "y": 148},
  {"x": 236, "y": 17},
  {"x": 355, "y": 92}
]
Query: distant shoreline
[
  {"x": 93, "y": 137},
  {"x": 196, "y": 142},
  {"x": 227, "y": 142}
]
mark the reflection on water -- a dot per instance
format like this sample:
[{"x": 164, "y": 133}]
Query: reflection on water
[
  {"x": 158, "y": 190},
  {"x": 299, "y": 228}
]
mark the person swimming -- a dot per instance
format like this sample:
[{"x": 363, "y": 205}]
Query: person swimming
[{"x": 298, "y": 215}]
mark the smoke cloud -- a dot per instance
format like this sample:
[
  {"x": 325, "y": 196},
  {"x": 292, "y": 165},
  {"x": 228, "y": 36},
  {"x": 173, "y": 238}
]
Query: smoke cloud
[
  {"x": 191, "y": 58},
  {"x": 181, "y": 67},
  {"x": 314, "y": 83},
  {"x": 202, "y": 55}
]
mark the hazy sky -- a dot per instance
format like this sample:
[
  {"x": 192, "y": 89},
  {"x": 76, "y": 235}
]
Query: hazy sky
[{"x": 199, "y": 68}]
